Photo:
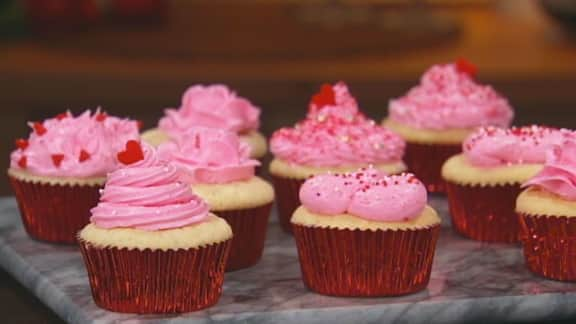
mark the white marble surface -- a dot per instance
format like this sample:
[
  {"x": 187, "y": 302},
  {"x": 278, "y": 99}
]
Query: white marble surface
[{"x": 470, "y": 282}]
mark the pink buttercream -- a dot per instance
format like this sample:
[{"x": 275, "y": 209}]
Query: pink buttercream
[
  {"x": 490, "y": 146},
  {"x": 336, "y": 133},
  {"x": 210, "y": 155},
  {"x": 148, "y": 195},
  {"x": 211, "y": 106},
  {"x": 450, "y": 98},
  {"x": 366, "y": 193},
  {"x": 68, "y": 146},
  {"x": 559, "y": 173}
]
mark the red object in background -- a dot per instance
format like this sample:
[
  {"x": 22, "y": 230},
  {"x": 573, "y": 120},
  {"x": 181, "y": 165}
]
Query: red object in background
[
  {"x": 287, "y": 199},
  {"x": 61, "y": 13},
  {"x": 426, "y": 160}
]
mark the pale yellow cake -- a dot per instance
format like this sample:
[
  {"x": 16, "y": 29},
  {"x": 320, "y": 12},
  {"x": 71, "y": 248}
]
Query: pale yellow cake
[
  {"x": 68, "y": 181},
  {"x": 537, "y": 202},
  {"x": 285, "y": 169},
  {"x": 428, "y": 136},
  {"x": 235, "y": 195}
]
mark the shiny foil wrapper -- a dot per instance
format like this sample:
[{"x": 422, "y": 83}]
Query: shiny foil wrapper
[
  {"x": 485, "y": 213},
  {"x": 356, "y": 263},
  {"x": 287, "y": 198},
  {"x": 549, "y": 245},
  {"x": 426, "y": 160},
  {"x": 54, "y": 212},
  {"x": 155, "y": 281},
  {"x": 249, "y": 227}
]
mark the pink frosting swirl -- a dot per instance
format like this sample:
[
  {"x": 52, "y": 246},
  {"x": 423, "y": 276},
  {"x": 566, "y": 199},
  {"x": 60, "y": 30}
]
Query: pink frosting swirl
[
  {"x": 367, "y": 194},
  {"x": 559, "y": 173},
  {"x": 491, "y": 146},
  {"x": 148, "y": 195},
  {"x": 448, "y": 97},
  {"x": 211, "y": 106},
  {"x": 336, "y": 133},
  {"x": 210, "y": 155},
  {"x": 69, "y": 146}
]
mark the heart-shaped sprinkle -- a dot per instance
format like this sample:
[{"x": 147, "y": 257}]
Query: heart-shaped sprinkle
[
  {"x": 22, "y": 143},
  {"x": 39, "y": 128},
  {"x": 101, "y": 116},
  {"x": 62, "y": 116},
  {"x": 23, "y": 162},
  {"x": 57, "y": 159},
  {"x": 465, "y": 66},
  {"x": 83, "y": 156},
  {"x": 326, "y": 96},
  {"x": 132, "y": 153}
]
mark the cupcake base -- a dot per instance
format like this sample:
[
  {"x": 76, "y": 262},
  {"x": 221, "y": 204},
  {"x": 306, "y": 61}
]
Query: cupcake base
[
  {"x": 484, "y": 213},
  {"x": 287, "y": 198},
  {"x": 155, "y": 281},
  {"x": 356, "y": 263},
  {"x": 54, "y": 212},
  {"x": 549, "y": 244},
  {"x": 426, "y": 160},
  {"x": 249, "y": 227}
]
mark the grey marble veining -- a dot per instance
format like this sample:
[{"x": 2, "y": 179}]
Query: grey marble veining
[{"x": 470, "y": 281}]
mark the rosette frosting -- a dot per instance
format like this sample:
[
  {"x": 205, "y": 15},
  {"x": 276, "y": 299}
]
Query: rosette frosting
[
  {"x": 336, "y": 133},
  {"x": 81, "y": 146},
  {"x": 210, "y": 155},
  {"x": 490, "y": 146},
  {"x": 448, "y": 97},
  {"x": 367, "y": 194},
  {"x": 559, "y": 173},
  {"x": 211, "y": 106},
  {"x": 147, "y": 194}
]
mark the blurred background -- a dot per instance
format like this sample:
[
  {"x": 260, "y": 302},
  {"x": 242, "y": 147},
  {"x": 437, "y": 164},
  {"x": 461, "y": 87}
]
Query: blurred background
[{"x": 136, "y": 57}]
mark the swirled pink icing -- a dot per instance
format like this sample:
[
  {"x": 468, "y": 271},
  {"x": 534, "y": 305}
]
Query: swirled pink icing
[
  {"x": 448, "y": 97},
  {"x": 491, "y": 146},
  {"x": 211, "y": 106},
  {"x": 336, "y": 133},
  {"x": 148, "y": 194},
  {"x": 68, "y": 146},
  {"x": 210, "y": 155},
  {"x": 559, "y": 173},
  {"x": 367, "y": 194}
]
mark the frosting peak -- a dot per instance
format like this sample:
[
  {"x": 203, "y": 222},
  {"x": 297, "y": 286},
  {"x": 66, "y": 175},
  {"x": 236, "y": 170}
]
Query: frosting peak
[
  {"x": 366, "y": 193},
  {"x": 448, "y": 97},
  {"x": 211, "y": 106},
  {"x": 210, "y": 155},
  {"x": 147, "y": 194},
  {"x": 559, "y": 173}
]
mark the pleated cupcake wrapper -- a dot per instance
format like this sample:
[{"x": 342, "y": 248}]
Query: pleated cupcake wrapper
[
  {"x": 249, "y": 227},
  {"x": 54, "y": 212},
  {"x": 485, "y": 213},
  {"x": 426, "y": 160},
  {"x": 287, "y": 198},
  {"x": 362, "y": 263},
  {"x": 549, "y": 244},
  {"x": 155, "y": 281}
]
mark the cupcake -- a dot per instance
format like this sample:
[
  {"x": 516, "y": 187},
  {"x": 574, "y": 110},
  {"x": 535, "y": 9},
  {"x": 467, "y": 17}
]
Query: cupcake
[
  {"x": 438, "y": 114},
  {"x": 547, "y": 211},
  {"x": 217, "y": 165},
  {"x": 57, "y": 172},
  {"x": 211, "y": 106},
  {"x": 365, "y": 234},
  {"x": 484, "y": 181},
  {"x": 152, "y": 246},
  {"x": 335, "y": 136}
]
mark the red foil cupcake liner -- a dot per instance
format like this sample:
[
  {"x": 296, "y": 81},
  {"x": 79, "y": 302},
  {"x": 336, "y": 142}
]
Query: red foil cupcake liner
[
  {"x": 155, "y": 281},
  {"x": 367, "y": 263},
  {"x": 485, "y": 213},
  {"x": 249, "y": 227},
  {"x": 549, "y": 245},
  {"x": 54, "y": 212},
  {"x": 287, "y": 198},
  {"x": 426, "y": 160}
]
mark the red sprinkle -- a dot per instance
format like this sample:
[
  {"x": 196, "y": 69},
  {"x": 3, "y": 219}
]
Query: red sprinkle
[
  {"x": 39, "y": 128},
  {"x": 23, "y": 162},
  {"x": 57, "y": 159},
  {"x": 62, "y": 116},
  {"x": 465, "y": 66},
  {"x": 139, "y": 124},
  {"x": 132, "y": 154},
  {"x": 22, "y": 143},
  {"x": 101, "y": 116},
  {"x": 325, "y": 97},
  {"x": 83, "y": 156}
]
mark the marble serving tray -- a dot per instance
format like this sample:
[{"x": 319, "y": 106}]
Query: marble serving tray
[{"x": 470, "y": 281}]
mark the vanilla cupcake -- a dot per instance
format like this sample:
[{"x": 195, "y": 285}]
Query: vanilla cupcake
[
  {"x": 365, "y": 234},
  {"x": 152, "y": 245},
  {"x": 547, "y": 210},
  {"x": 335, "y": 136},
  {"x": 57, "y": 172},
  {"x": 213, "y": 106},
  {"x": 217, "y": 165},
  {"x": 484, "y": 182},
  {"x": 438, "y": 114}
]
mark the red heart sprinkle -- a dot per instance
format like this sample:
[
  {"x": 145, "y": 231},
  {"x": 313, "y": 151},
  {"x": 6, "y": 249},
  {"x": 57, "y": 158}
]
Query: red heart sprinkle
[
  {"x": 83, "y": 156},
  {"x": 57, "y": 159},
  {"x": 101, "y": 116},
  {"x": 465, "y": 66},
  {"x": 325, "y": 97},
  {"x": 39, "y": 128},
  {"x": 133, "y": 153},
  {"x": 22, "y": 143},
  {"x": 62, "y": 116},
  {"x": 23, "y": 162}
]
